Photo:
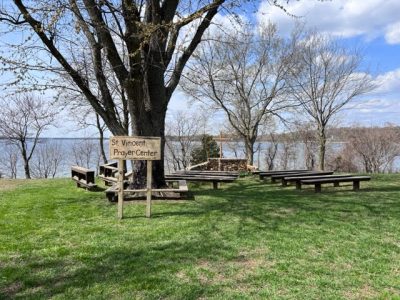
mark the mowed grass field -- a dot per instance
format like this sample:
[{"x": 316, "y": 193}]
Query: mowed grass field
[{"x": 248, "y": 240}]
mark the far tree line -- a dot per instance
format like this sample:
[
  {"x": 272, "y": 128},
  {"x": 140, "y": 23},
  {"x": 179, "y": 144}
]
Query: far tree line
[{"x": 349, "y": 149}]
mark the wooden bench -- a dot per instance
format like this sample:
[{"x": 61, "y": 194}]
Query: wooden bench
[
  {"x": 262, "y": 175},
  {"x": 354, "y": 179},
  {"x": 201, "y": 178},
  {"x": 274, "y": 178},
  {"x": 207, "y": 173},
  {"x": 177, "y": 189},
  {"x": 107, "y": 173},
  {"x": 297, "y": 179},
  {"x": 83, "y": 177}
]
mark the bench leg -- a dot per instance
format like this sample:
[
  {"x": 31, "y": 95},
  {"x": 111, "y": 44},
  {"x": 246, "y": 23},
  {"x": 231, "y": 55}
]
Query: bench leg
[
  {"x": 318, "y": 188},
  {"x": 336, "y": 184},
  {"x": 284, "y": 182},
  {"x": 356, "y": 185},
  {"x": 273, "y": 180},
  {"x": 298, "y": 185},
  {"x": 215, "y": 185}
]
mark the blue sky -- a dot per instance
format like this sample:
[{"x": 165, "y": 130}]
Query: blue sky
[{"x": 372, "y": 25}]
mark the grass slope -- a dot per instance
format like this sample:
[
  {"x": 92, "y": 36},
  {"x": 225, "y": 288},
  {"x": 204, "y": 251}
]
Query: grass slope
[{"x": 247, "y": 240}]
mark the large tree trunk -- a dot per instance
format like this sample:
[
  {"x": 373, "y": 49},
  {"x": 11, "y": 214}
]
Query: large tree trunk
[
  {"x": 322, "y": 148},
  {"x": 148, "y": 118},
  {"x": 26, "y": 162},
  {"x": 249, "y": 148}
]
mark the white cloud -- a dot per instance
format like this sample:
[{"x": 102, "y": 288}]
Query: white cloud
[
  {"x": 347, "y": 18},
  {"x": 392, "y": 34},
  {"x": 380, "y": 107},
  {"x": 388, "y": 83}
]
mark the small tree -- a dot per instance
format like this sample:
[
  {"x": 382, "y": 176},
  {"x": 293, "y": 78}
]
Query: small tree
[
  {"x": 287, "y": 150},
  {"x": 208, "y": 149},
  {"x": 182, "y": 131},
  {"x": 23, "y": 120},
  {"x": 305, "y": 134},
  {"x": 47, "y": 160},
  {"x": 326, "y": 78},
  {"x": 9, "y": 160},
  {"x": 272, "y": 151},
  {"x": 85, "y": 153},
  {"x": 376, "y": 147}
]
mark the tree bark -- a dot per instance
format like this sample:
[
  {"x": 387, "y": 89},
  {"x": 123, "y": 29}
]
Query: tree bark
[
  {"x": 101, "y": 139},
  {"x": 249, "y": 148},
  {"x": 322, "y": 147},
  {"x": 26, "y": 162}
]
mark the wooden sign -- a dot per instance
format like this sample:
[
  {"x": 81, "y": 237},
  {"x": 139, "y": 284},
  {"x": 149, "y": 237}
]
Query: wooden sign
[{"x": 135, "y": 148}]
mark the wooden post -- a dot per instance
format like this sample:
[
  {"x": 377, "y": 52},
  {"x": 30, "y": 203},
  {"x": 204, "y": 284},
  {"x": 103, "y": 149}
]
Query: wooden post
[
  {"x": 148, "y": 192},
  {"x": 298, "y": 185},
  {"x": 356, "y": 185},
  {"x": 120, "y": 188},
  {"x": 215, "y": 185}
]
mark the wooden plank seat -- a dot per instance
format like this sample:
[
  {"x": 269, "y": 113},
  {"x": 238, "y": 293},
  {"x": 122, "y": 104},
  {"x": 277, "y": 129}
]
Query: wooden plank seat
[
  {"x": 263, "y": 175},
  {"x": 83, "y": 177},
  {"x": 297, "y": 179},
  {"x": 201, "y": 178},
  {"x": 274, "y": 178},
  {"x": 109, "y": 173},
  {"x": 207, "y": 173},
  {"x": 177, "y": 189},
  {"x": 318, "y": 182}
]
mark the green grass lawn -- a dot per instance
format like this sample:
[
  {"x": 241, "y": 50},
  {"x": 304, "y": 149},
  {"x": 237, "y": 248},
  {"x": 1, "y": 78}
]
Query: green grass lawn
[{"x": 248, "y": 240}]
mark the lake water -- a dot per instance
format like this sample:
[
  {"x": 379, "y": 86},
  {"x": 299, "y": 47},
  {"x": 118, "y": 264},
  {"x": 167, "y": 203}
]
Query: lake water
[{"x": 85, "y": 152}]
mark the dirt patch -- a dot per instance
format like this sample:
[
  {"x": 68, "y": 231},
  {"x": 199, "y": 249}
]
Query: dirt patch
[
  {"x": 10, "y": 184},
  {"x": 245, "y": 264},
  {"x": 11, "y": 290},
  {"x": 366, "y": 292}
]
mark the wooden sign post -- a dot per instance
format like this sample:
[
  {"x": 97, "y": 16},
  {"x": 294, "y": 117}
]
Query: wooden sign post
[{"x": 134, "y": 148}]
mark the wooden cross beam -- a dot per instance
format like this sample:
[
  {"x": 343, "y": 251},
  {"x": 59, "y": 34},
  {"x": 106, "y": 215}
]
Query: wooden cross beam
[{"x": 221, "y": 139}]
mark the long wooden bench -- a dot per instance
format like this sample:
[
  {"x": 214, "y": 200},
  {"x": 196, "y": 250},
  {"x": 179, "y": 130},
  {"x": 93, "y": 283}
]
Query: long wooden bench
[
  {"x": 207, "y": 173},
  {"x": 176, "y": 189},
  {"x": 354, "y": 179},
  {"x": 274, "y": 178},
  {"x": 297, "y": 179},
  {"x": 201, "y": 178},
  {"x": 83, "y": 177},
  {"x": 263, "y": 175}
]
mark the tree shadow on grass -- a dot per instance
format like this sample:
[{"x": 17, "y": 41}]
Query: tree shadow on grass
[
  {"x": 152, "y": 269},
  {"x": 161, "y": 268}
]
